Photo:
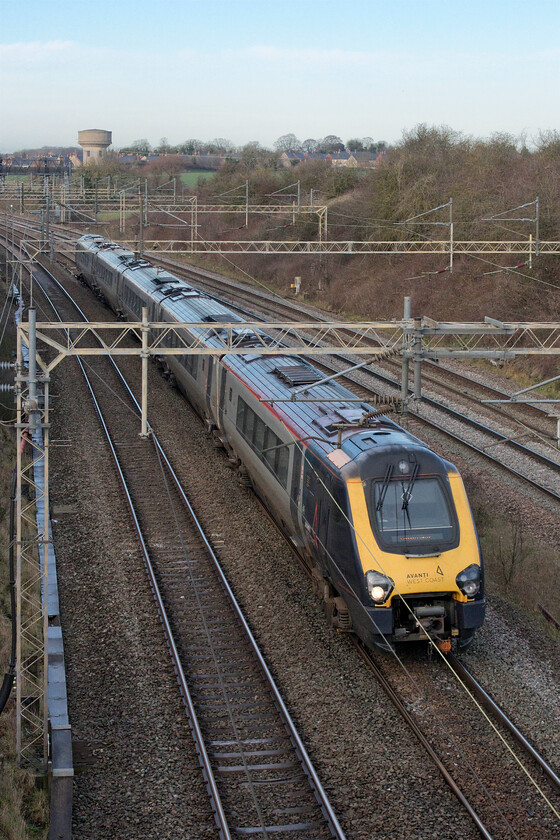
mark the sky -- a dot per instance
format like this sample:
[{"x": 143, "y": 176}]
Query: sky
[{"x": 248, "y": 70}]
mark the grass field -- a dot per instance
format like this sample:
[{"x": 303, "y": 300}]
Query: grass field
[{"x": 190, "y": 179}]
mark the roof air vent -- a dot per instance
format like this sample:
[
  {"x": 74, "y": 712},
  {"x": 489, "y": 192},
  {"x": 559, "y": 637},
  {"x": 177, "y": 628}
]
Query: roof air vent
[{"x": 297, "y": 375}]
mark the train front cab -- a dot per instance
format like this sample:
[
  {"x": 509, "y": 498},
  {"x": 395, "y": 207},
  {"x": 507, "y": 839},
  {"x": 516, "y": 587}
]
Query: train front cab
[{"x": 417, "y": 552}]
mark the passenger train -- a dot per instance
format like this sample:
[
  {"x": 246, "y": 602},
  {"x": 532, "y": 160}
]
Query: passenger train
[{"x": 383, "y": 522}]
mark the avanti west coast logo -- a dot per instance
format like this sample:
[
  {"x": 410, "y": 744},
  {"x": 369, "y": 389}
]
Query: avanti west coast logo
[{"x": 423, "y": 577}]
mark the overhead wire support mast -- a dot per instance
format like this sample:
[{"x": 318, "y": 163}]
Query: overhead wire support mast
[
  {"x": 32, "y": 551},
  {"x": 417, "y": 340},
  {"x": 456, "y": 247}
]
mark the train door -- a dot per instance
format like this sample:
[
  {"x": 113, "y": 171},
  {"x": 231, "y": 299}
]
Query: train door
[
  {"x": 222, "y": 394},
  {"x": 209, "y": 372},
  {"x": 118, "y": 290},
  {"x": 295, "y": 489},
  {"x": 315, "y": 510}
]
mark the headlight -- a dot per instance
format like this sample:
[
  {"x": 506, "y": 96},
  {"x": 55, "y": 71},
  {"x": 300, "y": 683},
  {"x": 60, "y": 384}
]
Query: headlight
[
  {"x": 379, "y": 586},
  {"x": 468, "y": 580}
]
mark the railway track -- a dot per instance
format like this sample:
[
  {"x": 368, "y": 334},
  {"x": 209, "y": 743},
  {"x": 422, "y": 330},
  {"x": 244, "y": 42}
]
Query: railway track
[
  {"x": 511, "y": 789},
  {"x": 494, "y": 835},
  {"x": 524, "y": 417},
  {"x": 258, "y": 775}
]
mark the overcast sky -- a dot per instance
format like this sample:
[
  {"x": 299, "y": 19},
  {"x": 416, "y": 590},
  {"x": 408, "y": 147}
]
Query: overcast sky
[{"x": 254, "y": 70}]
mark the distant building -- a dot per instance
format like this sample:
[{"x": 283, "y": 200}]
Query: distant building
[
  {"x": 195, "y": 161},
  {"x": 365, "y": 160},
  {"x": 39, "y": 162},
  {"x": 362, "y": 160},
  {"x": 94, "y": 143}
]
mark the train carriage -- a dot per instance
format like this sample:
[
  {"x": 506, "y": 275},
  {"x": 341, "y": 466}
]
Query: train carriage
[{"x": 382, "y": 520}]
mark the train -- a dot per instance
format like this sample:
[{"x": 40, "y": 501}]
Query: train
[{"x": 382, "y": 521}]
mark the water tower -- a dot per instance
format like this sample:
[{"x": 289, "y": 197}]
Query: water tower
[{"x": 94, "y": 142}]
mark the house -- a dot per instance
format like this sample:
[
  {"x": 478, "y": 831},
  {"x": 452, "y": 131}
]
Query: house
[
  {"x": 365, "y": 160},
  {"x": 361, "y": 160},
  {"x": 290, "y": 158},
  {"x": 339, "y": 158}
]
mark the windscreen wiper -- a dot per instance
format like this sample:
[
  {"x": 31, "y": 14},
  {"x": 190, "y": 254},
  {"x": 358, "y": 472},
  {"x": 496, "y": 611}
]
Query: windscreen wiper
[
  {"x": 384, "y": 487},
  {"x": 407, "y": 492}
]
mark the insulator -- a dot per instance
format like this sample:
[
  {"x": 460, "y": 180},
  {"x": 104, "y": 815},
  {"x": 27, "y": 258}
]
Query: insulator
[
  {"x": 6, "y": 365},
  {"x": 387, "y": 354},
  {"x": 4, "y": 388}
]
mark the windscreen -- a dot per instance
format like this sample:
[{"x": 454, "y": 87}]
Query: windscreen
[{"x": 412, "y": 515}]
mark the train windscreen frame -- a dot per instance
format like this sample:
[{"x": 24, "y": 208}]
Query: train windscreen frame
[{"x": 412, "y": 517}]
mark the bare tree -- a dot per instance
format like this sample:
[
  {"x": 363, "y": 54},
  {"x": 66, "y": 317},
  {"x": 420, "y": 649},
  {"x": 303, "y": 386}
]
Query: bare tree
[
  {"x": 141, "y": 147},
  {"x": 190, "y": 147},
  {"x": 287, "y": 143},
  {"x": 330, "y": 143},
  {"x": 224, "y": 146},
  {"x": 164, "y": 148},
  {"x": 512, "y": 552}
]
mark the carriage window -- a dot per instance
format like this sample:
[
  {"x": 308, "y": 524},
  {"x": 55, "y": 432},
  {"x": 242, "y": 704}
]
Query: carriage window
[
  {"x": 258, "y": 435},
  {"x": 270, "y": 444},
  {"x": 282, "y": 465},
  {"x": 249, "y": 423},
  {"x": 264, "y": 441},
  {"x": 191, "y": 364},
  {"x": 240, "y": 422}
]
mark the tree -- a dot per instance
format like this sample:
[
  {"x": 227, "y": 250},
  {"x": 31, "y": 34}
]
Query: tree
[
  {"x": 110, "y": 164},
  {"x": 252, "y": 154},
  {"x": 224, "y": 146},
  {"x": 141, "y": 147},
  {"x": 163, "y": 169},
  {"x": 330, "y": 143},
  {"x": 190, "y": 147},
  {"x": 309, "y": 146},
  {"x": 355, "y": 145},
  {"x": 164, "y": 148},
  {"x": 287, "y": 143},
  {"x": 548, "y": 144}
]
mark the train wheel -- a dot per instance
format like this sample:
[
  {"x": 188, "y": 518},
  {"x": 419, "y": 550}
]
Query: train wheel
[
  {"x": 243, "y": 476},
  {"x": 341, "y": 618}
]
